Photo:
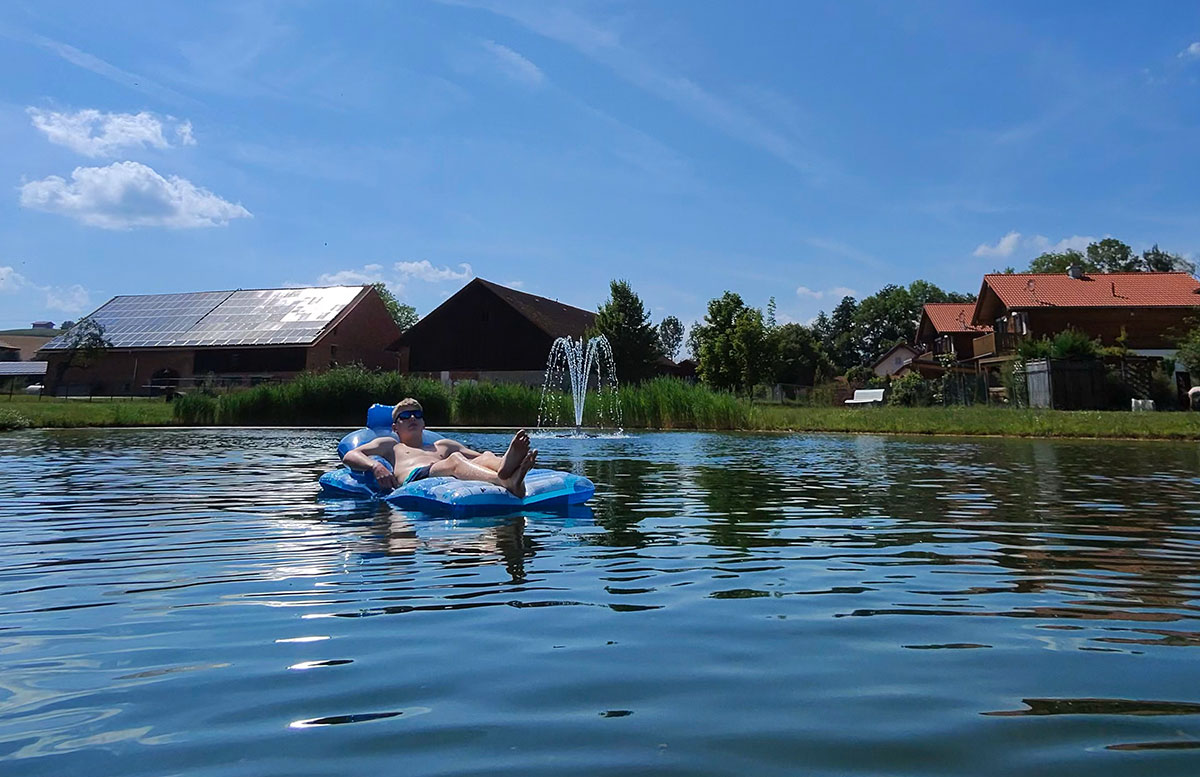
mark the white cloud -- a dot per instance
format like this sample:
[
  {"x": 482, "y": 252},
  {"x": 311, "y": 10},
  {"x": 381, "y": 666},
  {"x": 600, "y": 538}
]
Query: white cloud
[
  {"x": 837, "y": 292},
  {"x": 368, "y": 274},
  {"x": 1004, "y": 247},
  {"x": 425, "y": 271},
  {"x": 1042, "y": 244},
  {"x": 72, "y": 299},
  {"x": 514, "y": 284},
  {"x": 1191, "y": 52},
  {"x": 96, "y": 134},
  {"x": 184, "y": 133},
  {"x": 69, "y": 299},
  {"x": 515, "y": 66},
  {"x": 11, "y": 280},
  {"x": 124, "y": 195}
]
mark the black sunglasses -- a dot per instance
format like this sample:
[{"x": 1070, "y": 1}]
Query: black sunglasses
[{"x": 404, "y": 415}]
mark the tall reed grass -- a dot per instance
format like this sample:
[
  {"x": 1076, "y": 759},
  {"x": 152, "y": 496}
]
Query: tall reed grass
[{"x": 339, "y": 397}]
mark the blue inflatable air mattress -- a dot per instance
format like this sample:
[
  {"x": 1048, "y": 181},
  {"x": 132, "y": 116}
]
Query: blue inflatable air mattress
[{"x": 545, "y": 489}]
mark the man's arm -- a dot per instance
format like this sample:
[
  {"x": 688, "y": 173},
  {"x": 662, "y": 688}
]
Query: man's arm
[
  {"x": 360, "y": 459},
  {"x": 446, "y": 446}
]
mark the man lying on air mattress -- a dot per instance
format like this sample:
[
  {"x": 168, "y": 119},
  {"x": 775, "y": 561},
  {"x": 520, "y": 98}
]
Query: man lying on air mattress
[{"x": 412, "y": 460}]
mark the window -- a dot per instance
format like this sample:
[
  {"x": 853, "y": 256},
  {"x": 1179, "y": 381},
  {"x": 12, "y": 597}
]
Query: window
[{"x": 1020, "y": 323}]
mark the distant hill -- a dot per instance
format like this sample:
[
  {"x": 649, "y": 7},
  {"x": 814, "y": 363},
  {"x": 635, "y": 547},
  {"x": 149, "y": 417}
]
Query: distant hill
[{"x": 32, "y": 332}]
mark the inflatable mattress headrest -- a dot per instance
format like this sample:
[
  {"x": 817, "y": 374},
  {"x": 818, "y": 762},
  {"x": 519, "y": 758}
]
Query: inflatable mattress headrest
[{"x": 379, "y": 423}]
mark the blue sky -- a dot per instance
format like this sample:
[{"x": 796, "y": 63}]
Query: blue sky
[{"x": 777, "y": 148}]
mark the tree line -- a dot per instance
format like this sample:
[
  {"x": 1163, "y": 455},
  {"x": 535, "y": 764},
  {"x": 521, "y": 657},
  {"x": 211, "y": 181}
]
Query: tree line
[{"x": 737, "y": 346}]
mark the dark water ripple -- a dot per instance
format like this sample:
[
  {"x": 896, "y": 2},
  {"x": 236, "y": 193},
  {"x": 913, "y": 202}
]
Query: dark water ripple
[{"x": 180, "y": 602}]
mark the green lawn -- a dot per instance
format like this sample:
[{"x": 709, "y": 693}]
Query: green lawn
[
  {"x": 48, "y": 412},
  {"x": 981, "y": 421}
]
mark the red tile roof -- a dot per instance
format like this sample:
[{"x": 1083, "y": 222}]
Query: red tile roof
[
  {"x": 1107, "y": 290},
  {"x": 952, "y": 317}
]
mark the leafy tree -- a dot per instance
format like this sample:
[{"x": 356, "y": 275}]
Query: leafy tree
[
  {"x": 624, "y": 321},
  {"x": 82, "y": 345},
  {"x": 837, "y": 334},
  {"x": 1155, "y": 259},
  {"x": 731, "y": 344},
  {"x": 1111, "y": 255},
  {"x": 1051, "y": 262},
  {"x": 404, "y": 315},
  {"x": 670, "y": 336},
  {"x": 798, "y": 356},
  {"x": 1189, "y": 353}
]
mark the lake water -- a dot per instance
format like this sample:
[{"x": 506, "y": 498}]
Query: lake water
[{"x": 183, "y": 602}]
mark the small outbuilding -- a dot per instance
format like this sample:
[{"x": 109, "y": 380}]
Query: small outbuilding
[{"x": 486, "y": 331}]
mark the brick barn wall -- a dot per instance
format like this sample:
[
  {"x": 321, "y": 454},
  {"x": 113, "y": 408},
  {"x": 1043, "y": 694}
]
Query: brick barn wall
[
  {"x": 117, "y": 371},
  {"x": 361, "y": 336}
]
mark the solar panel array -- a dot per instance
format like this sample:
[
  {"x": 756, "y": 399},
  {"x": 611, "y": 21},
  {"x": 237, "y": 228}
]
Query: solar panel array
[
  {"x": 215, "y": 318},
  {"x": 8, "y": 369}
]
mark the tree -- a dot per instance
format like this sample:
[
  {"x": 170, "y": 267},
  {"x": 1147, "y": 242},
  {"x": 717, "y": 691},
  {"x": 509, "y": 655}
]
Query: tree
[
  {"x": 731, "y": 344},
  {"x": 404, "y": 315},
  {"x": 670, "y": 336},
  {"x": 1189, "y": 353},
  {"x": 1155, "y": 259},
  {"x": 798, "y": 356},
  {"x": 1057, "y": 263},
  {"x": 837, "y": 335},
  {"x": 1111, "y": 255},
  {"x": 624, "y": 321},
  {"x": 81, "y": 346}
]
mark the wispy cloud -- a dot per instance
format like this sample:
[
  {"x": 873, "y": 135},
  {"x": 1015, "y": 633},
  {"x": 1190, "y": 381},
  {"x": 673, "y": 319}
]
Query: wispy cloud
[
  {"x": 371, "y": 273},
  {"x": 592, "y": 39},
  {"x": 513, "y": 65},
  {"x": 100, "y": 67},
  {"x": 1191, "y": 52},
  {"x": 425, "y": 271},
  {"x": 125, "y": 195},
  {"x": 72, "y": 299},
  {"x": 94, "y": 133},
  {"x": 837, "y": 292},
  {"x": 838, "y": 248}
]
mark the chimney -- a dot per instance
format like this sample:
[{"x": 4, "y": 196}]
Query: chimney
[{"x": 1075, "y": 271}]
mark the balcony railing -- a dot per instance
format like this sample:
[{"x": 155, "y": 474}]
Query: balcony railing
[{"x": 997, "y": 343}]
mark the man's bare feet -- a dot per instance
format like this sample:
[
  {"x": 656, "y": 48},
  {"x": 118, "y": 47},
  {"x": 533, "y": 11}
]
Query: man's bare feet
[
  {"x": 515, "y": 483},
  {"x": 515, "y": 454}
]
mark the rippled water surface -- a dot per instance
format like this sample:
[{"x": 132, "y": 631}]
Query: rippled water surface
[{"x": 183, "y": 602}]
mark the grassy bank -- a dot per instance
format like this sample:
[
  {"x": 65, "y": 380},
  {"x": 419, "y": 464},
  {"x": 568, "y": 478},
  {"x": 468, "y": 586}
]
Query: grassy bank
[
  {"x": 23, "y": 412},
  {"x": 340, "y": 398},
  {"x": 1011, "y": 422}
]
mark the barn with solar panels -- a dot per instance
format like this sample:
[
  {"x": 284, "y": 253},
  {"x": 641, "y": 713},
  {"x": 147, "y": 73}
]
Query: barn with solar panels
[{"x": 173, "y": 341}]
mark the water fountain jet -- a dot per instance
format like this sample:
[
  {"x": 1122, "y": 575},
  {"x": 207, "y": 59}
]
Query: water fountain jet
[{"x": 569, "y": 369}]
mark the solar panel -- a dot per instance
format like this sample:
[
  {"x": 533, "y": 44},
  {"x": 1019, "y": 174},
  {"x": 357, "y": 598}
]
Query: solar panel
[
  {"x": 150, "y": 320},
  {"x": 220, "y": 318},
  {"x": 9, "y": 369},
  {"x": 272, "y": 316}
]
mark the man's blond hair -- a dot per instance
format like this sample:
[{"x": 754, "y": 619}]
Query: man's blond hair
[{"x": 408, "y": 403}]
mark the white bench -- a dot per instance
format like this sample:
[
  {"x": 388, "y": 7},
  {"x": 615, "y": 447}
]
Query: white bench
[{"x": 866, "y": 397}]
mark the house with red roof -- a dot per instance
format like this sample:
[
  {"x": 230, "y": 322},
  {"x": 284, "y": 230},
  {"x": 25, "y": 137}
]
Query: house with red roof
[
  {"x": 946, "y": 329},
  {"x": 1145, "y": 311}
]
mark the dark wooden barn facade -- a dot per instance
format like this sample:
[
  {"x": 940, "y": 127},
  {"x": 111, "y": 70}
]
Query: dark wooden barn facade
[{"x": 489, "y": 332}]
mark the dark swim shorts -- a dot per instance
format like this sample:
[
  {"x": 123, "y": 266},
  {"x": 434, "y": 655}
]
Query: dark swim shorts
[{"x": 420, "y": 473}]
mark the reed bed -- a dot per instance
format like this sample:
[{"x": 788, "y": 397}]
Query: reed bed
[{"x": 338, "y": 397}]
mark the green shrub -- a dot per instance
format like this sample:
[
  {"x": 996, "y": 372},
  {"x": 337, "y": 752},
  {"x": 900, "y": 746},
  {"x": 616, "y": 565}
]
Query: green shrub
[
  {"x": 1073, "y": 344},
  {"x": 196, "y": 409},
  {"x": 911, "y": 390},
  {"x": 11, "y": 420}
]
